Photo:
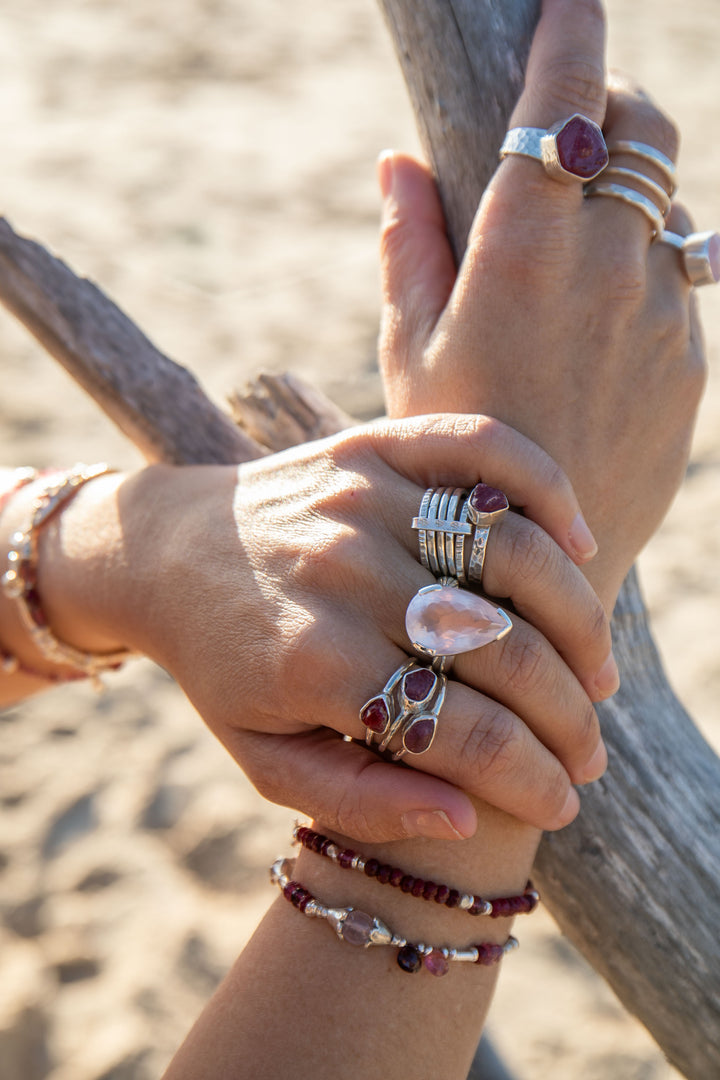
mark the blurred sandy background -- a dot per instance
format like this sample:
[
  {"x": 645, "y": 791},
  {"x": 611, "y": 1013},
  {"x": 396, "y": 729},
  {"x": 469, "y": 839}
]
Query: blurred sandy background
[{"x": 211, "y": 164}]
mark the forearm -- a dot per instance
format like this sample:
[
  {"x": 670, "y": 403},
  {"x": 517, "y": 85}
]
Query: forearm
[{"x": 364, "y": 1012}]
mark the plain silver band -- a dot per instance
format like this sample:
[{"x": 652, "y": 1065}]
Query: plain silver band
[
  {"x": 632, "y": 198},
  {"x": 477, "y": 554},
  {"x": 695, "y": 259},
  {"x": 657, "y": 193},
  {"x": 648, "y": 153}
]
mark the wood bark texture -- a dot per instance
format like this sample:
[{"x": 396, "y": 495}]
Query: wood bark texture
[{"x": 635, "y": 882}]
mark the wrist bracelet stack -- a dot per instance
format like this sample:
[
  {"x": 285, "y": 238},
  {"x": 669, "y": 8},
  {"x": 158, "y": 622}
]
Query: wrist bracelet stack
[
  {"x": 357, "y": 927},
  {"x": 19, "y": 582}
]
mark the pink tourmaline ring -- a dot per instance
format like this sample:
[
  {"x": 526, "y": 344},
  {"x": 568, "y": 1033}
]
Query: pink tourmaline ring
[
  {"x": 572, "y": 149},
  {"x": 700, "y": 254},
  {"x": 408, "y": 705}
]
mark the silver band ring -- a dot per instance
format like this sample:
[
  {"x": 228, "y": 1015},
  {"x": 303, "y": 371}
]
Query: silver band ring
[
  {"x": 647, "y": 153},
  {"x": 656, "y": 192},
  {"x": 572, "y": 149},
  {"x": 632, "y": 198},
  {"x": 700, "y": 254},
  {"x": 441, "y": 532}
]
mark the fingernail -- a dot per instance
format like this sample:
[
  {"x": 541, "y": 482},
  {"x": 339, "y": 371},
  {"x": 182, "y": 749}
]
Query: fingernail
[
  {"x": 597, "y": 764},
  {"x": 571, "y": 808},
  {"x": 607, "y": 679},
  {"x": 433, "y": 824},
  {"x": 386, "y": 173},
  {"x": 581, "y": 539}
]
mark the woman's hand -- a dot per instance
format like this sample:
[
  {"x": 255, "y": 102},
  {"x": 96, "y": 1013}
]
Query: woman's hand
[
  {"x": 563, "y": 320},
  {"x": 276, "y": 593}
]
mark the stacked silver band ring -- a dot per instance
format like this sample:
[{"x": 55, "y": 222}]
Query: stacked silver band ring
[
  {"x": 651, "y": 197},
  {"x": 447, "y": 517}
]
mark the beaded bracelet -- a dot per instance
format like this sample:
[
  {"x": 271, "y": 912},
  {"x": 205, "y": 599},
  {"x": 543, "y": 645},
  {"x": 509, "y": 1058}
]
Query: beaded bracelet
[
  {"x": 358, "y": 928},
  {"x": 504, "y": 907},
  {"x": 20, "y": 580},
  {"x": 10, "y": 664}
]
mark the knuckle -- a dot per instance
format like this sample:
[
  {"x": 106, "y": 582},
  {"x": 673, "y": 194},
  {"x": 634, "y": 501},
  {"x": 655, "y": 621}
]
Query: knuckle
[
  {"x": 598, "y": 627},
  {"x": 524, "y": 663},
  {"x": 578, "y": 80},
  {"x": 660, "y": 130},
  {"x": 489, "y": 746},
  {"x": 531, "y": 552}
]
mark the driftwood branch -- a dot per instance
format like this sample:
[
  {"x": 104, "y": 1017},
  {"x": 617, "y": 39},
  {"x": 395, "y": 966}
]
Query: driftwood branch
[
  {"x": 635, "y": 882},
  {"x": 155, "y": 402}
]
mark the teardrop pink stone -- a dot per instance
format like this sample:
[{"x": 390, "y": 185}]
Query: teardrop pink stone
[{"x": 446, "y": 620}]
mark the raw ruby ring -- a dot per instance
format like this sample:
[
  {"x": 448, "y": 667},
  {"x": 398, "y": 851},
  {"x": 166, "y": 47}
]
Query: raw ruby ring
[{"x": 572, "y": 149}]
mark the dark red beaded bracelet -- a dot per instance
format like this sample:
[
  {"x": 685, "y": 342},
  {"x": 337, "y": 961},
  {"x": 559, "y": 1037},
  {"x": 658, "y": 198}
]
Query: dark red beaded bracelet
[
  {"x": 357, "y": 927},
  {"x": 503, "y": 907}
]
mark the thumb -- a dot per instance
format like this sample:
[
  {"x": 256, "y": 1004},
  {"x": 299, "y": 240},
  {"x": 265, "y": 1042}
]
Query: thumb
[
  {"x": 416, "y": 261},
  {"x": 350, "y": 790}
]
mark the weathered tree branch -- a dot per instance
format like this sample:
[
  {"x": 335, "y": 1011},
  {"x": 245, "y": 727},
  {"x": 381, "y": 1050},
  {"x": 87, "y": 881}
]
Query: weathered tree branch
[
  {"x": 155, "y": 402},
  {"x": 635, "y": 882}
]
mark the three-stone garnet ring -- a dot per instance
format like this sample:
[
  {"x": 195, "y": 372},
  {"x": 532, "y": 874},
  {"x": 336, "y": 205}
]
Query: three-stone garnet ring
[{"x": 572, "y": 149}]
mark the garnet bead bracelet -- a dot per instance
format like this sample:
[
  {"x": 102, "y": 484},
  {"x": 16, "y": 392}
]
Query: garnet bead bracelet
[
  {"x": 356, "y": 927},
  {"x": 504, "y": 907}
]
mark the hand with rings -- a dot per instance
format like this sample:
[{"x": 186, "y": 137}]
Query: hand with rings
[
  {"x": 276, "y": 594},
  {"x": 569, "y": 317}
]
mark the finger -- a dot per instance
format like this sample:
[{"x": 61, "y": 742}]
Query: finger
[
  {"x": 461, "y": 450},
  {"x": 524, "y": 564},
  {"x": 666, "y": 270},
  {"x": 565, "y": 75},
  {"x": 633, "y": 116},
  {"x": 351, "y": 790},
  {"x": 416, "y": 262},
  {"x": 566, "y": 65},
  {"x": 526, "y": 675},
  {"x": 485, "y": 750}
]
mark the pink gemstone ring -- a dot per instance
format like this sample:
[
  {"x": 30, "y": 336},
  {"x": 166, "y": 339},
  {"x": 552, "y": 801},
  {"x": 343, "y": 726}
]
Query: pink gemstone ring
[
  {"x": 408, "y": 706},
  {"x": 572, "y": 149},
  {"x": 700, "y": 254}
]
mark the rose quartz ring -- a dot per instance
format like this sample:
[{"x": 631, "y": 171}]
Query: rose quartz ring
[
  {"x": 572, "y": 149},
  {"x": 408, "y": 706},
  {"x": 444, "y": 620},
  {"x": 700, "y": 255}
]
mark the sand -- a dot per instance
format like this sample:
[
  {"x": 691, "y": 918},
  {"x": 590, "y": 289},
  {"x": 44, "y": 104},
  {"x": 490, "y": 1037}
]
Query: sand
[{"x": 211, "y": 165}]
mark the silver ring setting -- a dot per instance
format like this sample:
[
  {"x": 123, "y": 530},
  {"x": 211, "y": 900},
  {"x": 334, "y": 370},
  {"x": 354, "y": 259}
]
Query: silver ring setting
[
  {"x": 408, "y": 706},
  {"x": 700, "y": 254},
  {"x": 569, "y": 150}
]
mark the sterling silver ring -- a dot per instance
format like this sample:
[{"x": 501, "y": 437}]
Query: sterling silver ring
[
  {"x": 632, "y": 198},
  {"x": 664, "y": 165},
  {"x": 409, "y": 706},
  {"x": 571, "y": 149},
  {"x": 700, "y": 254}
]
